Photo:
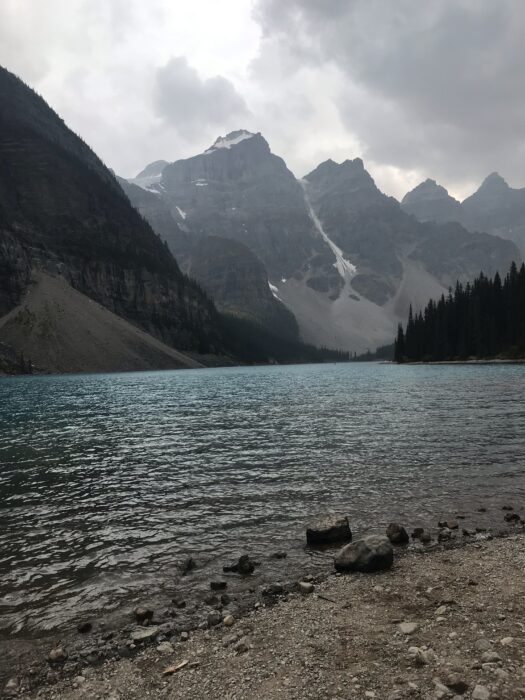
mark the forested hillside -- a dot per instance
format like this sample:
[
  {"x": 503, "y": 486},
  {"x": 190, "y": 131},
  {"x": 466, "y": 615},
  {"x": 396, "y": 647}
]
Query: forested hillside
[{"x": 484, "y": 319}]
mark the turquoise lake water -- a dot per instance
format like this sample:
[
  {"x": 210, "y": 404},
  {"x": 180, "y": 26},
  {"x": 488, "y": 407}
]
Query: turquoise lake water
[{"x": 108, "y": 481}]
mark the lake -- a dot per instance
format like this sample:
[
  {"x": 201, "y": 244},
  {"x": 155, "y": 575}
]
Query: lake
[{"x": 107, "y": 482}]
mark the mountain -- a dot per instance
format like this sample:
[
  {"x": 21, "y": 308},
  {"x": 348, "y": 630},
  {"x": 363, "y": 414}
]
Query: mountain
[
  {"x": 344, "y": 258},
  {"x": 238, "y": 283},
  {"x": 63, "y": 214},
  {"x": 495, "y": 208},
  {"x": 431, "y": 202}
]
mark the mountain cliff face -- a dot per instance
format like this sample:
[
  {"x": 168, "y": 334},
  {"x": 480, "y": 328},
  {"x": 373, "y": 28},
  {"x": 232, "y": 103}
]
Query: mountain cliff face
[
  {"x": 63, "y": 212},
  {"x": 343, "y": 257},
  {"x": 238, "y": 283},
  {"x": 494, "y": 208}
]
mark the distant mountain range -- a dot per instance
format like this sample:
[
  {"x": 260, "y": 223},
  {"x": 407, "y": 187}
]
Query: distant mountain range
[
  {"x": 87, "y": 285},
  {"x": 342, "y": 257},
  {"x": 223, "y": 257},
  {"x": 495, "y": 208}
]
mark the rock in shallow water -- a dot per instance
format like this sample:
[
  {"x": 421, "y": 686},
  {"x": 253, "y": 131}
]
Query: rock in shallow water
[
  {"x": 328, "y": 529},
  {"x": 397, "y": 534},
  {"x": 372, "y": 553}
]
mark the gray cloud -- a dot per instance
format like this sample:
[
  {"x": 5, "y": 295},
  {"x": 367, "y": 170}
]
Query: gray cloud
[
  {"x": 190, "y": 103},
  {"x": 434, "y": 86}
]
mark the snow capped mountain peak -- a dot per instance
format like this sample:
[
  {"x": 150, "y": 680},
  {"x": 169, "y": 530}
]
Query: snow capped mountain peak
[{"x": 231, "y": 139}]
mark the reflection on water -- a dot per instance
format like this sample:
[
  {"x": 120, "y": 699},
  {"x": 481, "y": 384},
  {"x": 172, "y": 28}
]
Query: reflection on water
[{"x": 108, "y": 481}]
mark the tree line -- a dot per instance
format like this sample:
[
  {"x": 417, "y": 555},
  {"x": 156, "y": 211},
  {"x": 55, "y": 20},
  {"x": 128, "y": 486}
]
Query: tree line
[{"x": 484, "y": 319}]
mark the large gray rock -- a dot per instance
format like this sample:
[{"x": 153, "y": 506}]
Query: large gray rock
[
  {"x": 372, "y": 553},
  {"x": 328, "y": 529}
]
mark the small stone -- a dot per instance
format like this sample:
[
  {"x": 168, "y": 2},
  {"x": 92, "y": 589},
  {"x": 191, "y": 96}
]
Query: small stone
[
  {"x": 506, "y": 641},
  {"x": 214, "y": 618},
  {"x": 273, "y": 589},
  {"x": 242, "y": 646},
  {"x": 79, "y": 680},
  {"x": 11, "y": 687},
  {"x": 408, "y": 627},
  {"x": 453, "y": 635},
  {"x": 441, "y": 610},
  {"x": 84, "y": 627},
  {"x": 218, "y": 585},
  {"x": 187, "y": 565},
  {"x": 184, "y": 636},
  {"x": 456, "y": 683},
  {"x": 225, "y": 599},
  {"x": 305, "y": 587},
  {"x": 397, "y": 534},
  {"x": 143, "y": 634},
  {"x": 165, "y": 648},
  {"x": 483, "y": 644},
  {"x": 57, "y": 655},
  {"x": 417, "y": 532},
  {"x": 420, "y": 657},
  {"x": 245, "y": 566},
  {"x": 506, "y": 507},
  {"x": 444, "y": 535},
  {"x": 143, "y": 614},
  {"x": 512, "y": 518},
  {"x": 279, "y": 555},
  {"x": 490, "y": 657},
  {"x": 480, "y": 692},
  {"x": 228, "y": 621}
]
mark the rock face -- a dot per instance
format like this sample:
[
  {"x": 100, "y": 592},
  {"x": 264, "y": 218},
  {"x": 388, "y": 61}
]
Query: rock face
[
  {"x": 238, "y": 283},
  {"x": 328, "y": 529},
  {"x": 372, "y": 553},
  {"x": 63, "y": 212},
  {"x": 495, "y": 208}
]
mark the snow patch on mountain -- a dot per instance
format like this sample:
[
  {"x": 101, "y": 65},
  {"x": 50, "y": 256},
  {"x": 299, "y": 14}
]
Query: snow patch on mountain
[
  {"x": 181, "y": 212},
  {"x": 274, "y": 291},
  {"x": 230, "y": 140},
  {"x": 346, "y": 269}
]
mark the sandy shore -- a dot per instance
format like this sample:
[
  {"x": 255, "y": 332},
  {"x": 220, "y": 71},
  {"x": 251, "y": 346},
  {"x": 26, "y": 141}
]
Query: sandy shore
[{"x": 465, "y": 637}]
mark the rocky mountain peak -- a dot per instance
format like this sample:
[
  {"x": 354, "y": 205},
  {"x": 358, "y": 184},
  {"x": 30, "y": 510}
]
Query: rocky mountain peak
[
  {"x": 153, "y": 169},
  {"x": 234, "y": 138},
  {"x": 494, "y": 183},
  {"x": 425, "y": 191}
]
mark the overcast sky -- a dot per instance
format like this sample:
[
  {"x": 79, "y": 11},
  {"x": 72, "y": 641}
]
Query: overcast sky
[{"x": 417, "y": 89}]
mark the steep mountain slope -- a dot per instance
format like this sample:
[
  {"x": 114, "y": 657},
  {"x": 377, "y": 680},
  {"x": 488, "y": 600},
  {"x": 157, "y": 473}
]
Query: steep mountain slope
[
  {"x": 342, "y": 256},
  {"x": 63, "y": 212},
  {"x": 238, "y": 283},
  {"x": 54, "y": 326},
  {"x": 494, "y": 208},
  {"x": 230, "y": 273}
]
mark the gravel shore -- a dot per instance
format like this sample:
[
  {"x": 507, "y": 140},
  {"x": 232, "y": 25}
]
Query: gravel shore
[{"x": 442, "y": 623}]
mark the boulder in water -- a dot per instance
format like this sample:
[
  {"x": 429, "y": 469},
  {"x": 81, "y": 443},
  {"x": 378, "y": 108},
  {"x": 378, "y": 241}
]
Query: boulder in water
[
  {"x": 372, "y": 553},
  {"x": 397, "y": 534},
  {"x": 328, "y": 529}
]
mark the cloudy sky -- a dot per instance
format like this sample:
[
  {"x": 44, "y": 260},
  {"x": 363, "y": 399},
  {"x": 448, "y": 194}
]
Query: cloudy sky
[{"x": 417, "y": 89}]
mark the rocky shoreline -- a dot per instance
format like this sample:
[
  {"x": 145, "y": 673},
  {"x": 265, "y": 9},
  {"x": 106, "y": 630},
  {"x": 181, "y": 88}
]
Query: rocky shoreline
[{"x": 53, "y": 667}]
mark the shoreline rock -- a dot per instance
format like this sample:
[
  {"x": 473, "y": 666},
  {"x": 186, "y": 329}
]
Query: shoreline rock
[{"x": 328, "y": 529}]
